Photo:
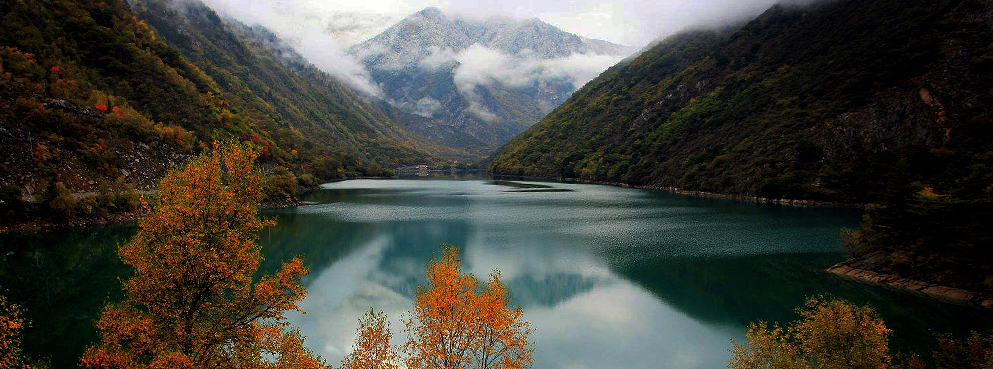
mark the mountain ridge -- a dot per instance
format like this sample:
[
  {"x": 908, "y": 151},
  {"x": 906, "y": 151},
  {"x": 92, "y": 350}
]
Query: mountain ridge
[
  {"x": 816, "y": 102},
  {"x": 448, "y": 69},
  {"x": 91, "y": 92}
]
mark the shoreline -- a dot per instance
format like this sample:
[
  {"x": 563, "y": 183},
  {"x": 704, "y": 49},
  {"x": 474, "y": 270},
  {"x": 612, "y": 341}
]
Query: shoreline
[
  {"x": 133, "y": 216},
  {"x": 47, "y": 225},
  {"x": 39, "y": 225},
  {"x": 701, "y": 194},
  {"x": 931, "y": 290}
]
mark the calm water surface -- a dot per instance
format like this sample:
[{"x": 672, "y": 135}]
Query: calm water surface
[{"x": 609, "y": 277}]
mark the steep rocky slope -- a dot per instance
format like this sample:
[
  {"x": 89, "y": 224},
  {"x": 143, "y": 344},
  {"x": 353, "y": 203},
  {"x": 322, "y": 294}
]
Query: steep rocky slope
[{"x": 90, "y": 91}]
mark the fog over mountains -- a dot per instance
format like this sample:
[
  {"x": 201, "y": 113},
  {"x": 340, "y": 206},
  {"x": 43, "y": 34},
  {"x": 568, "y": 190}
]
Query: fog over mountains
[{"x": 491, "y": 78}]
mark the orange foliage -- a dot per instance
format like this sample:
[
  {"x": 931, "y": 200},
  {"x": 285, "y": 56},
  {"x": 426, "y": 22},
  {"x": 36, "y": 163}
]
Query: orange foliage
[
  {"x": 55, "y": 69},
  {"x": 101, "y": 107},
  {"x": 11, "y": 326},
  {"x": 192, "y": 302},
  {"x": 373, "y": 350},
  {"x": 833, "y": 334},
  {"x": 973, "y": 352},
  {"x": 41, "y": 153},
  {"x": 66, "y": 89},
  {"x": 458, "y": 324},
  {"x": 503, "y": 341},
  {"x": 176, "y": 135}
]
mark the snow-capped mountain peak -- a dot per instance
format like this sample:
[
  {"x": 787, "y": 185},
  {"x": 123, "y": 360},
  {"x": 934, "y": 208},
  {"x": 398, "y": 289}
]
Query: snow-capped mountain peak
[{"x": 493, "y": 77}]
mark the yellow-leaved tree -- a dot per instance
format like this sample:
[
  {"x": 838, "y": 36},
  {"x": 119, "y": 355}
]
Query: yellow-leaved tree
[
  {"x": 372, "y": 350},
  {"x": 832, "y": 334},
  {"x": 456, "y": 323},
  {"x": 192, "y": 301}
]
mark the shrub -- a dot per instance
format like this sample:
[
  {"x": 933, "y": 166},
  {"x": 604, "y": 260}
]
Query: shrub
[
  {"x": 308, "y": 180},
  {"x": 11, "y": 206},
  {"x": 118, "y": 196},
  {"x": 281, "y": 184},
  {"x": 58, "y": 203},
  {"x": 327, "y": 168}
]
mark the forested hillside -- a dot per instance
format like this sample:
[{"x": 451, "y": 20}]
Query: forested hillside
[
  {"x": 90, "y": 91},
  {"x": 256, "y": 66},
  {"x": 827, "y": 102}
]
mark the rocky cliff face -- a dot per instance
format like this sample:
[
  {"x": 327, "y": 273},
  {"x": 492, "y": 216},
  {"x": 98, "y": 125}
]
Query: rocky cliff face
[{"x": 489, "y": 78}]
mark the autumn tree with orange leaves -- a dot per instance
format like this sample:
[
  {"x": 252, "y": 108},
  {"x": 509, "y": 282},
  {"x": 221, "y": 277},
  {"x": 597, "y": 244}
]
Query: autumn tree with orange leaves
[
  {"x": 372, "y": 350},
  {"x": 458, "y": 323},
  {"x": 833, "y": 334},
  {"x": 12, "y": 325},
  {"x": 192, "y": 302}
]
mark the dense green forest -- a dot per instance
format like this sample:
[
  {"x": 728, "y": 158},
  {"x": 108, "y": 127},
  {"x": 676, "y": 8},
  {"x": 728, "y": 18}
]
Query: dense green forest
[
  {"x": 885, "y": 102},
  {"x": 94, "y": 90}
]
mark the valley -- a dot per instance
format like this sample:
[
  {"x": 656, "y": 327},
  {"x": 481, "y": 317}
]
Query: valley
[{"x": 530, "y": 184}]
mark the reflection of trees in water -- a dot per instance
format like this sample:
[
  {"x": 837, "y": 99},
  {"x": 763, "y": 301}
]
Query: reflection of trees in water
[
  {"x": 62, "y": 279},
  {"x": 736, "y": 291},
  {"x": 388, "y": 197},
  {"x": 321, "y": 243},
  {"x": 548, "y": 290}
]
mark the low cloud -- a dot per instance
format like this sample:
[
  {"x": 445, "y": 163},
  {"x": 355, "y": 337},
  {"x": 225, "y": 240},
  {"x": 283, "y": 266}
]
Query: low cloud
[
  {"x": 482, "y": 66},
  {"x": 437, "y": 58},
  {"x": 427, "y": 107},
  {"x": 479, "y": 110},
  {"x": 317, "y": 32},
  {"x": 579, "y": 68},
  {"x": 322, "y": 30},
  {"x": 324, "y": 54},
  {"x": 479, "y": 65}
]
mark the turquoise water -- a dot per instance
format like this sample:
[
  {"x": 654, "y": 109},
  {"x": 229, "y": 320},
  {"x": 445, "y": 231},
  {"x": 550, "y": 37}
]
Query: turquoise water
[{"x": 609, "y": 277}]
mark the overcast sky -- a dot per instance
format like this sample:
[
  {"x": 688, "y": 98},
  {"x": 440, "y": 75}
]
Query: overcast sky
[
  {"x": 629, "y": 22},
  {"x": 321, "y": 30}
]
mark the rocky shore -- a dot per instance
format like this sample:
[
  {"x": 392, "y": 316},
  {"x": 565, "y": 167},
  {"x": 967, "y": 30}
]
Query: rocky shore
[{"x": 852, "y": 269}]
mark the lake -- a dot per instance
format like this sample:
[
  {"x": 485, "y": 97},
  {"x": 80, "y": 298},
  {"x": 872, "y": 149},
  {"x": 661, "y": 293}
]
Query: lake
[{"x": 609, "y": 277}]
